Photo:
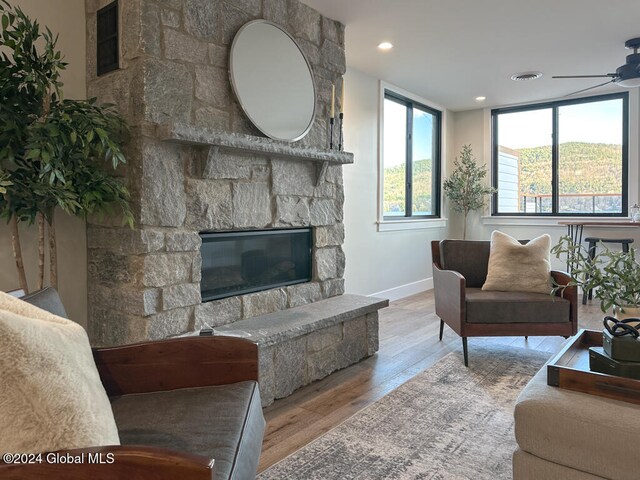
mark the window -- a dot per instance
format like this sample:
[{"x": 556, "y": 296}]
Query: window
[
  {"x": 562, "y": 158},
  {"x": 410, "y": 158}
]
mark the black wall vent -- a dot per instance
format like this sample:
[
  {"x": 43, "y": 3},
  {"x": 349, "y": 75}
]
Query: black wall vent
[{"x": 107, "y": 51}]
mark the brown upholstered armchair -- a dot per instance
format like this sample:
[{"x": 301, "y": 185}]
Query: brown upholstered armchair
[
  {"x": 460, "y": 270},
  {"x": 184, "y": 407}
]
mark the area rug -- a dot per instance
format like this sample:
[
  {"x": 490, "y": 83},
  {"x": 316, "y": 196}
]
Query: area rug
[{"x": 449, "y": 422}]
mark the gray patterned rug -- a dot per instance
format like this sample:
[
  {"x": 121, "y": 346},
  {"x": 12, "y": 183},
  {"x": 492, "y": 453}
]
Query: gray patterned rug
[{"x": 449, "y": 422}]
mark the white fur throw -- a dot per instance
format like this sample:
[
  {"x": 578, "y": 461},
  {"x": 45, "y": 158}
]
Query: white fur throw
[
  {"x": 51, "y": 397},
  {"x": 514, "y": 267}
]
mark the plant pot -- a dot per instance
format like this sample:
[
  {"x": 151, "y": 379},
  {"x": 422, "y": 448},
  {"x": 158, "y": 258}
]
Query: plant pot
[{"x": 626, "y": 312}]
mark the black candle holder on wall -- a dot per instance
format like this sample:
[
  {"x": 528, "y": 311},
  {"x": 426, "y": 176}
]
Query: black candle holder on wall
[
  {"x": 331, "y": 122},
  {"x": 340, "y": 132}
]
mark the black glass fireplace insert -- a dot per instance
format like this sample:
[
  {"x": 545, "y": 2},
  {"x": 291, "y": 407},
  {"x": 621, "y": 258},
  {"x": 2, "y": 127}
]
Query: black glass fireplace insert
[{"x": 236, "y": 263}]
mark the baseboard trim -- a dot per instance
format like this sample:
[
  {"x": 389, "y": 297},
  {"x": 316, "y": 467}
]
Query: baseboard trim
[{"x": 396, "y": 293}]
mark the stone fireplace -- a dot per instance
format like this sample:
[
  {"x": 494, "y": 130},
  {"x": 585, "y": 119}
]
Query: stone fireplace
[
  {"x": 242, "y": 262},
  {"x": 196, "y": 164},
  {"x": 197, "y": 167}
]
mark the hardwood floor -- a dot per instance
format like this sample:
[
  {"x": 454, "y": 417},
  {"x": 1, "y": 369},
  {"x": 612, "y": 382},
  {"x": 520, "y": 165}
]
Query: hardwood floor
[{"x": 408, "y": 345}]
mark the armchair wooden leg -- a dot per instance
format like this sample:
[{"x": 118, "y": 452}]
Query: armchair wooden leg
[
  {"x": 441, "y": 329},
  {"x": 465, "y": 352},
  {"x": 526, "y": 337}
]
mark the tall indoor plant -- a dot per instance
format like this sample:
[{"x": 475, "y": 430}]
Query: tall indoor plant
[
  {"x": 614, "y": 276},
  {"x": 54, "y": 153},
  {"x": 465, "y": 186}
]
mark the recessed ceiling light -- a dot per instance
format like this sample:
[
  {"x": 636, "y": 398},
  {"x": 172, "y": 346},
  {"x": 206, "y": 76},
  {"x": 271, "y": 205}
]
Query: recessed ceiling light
[
  {"x": 524, "y": 76},
  {"x": 481, "y": 99},
  {"x": 385, "y": 46}
]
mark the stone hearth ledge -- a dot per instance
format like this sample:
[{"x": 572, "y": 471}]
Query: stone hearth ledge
[
  {"x": 302, "y": 344},
  {"x": 194, "y": 135}
]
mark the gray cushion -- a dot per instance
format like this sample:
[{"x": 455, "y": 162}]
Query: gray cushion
[
  {"x": 47, "y": 299},
  {"x": 515, "y": 307},
  {"x": 467, "y": 257},
  {"x": 224, "y": 423}
]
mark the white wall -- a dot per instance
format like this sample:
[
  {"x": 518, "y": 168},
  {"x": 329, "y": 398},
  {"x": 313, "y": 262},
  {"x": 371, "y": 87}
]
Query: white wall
[
  {"x": 469, "y": 128},
  {"x": 392, "y": 264},
  {"x": 474, "y": 127},
  {"x": 67, "y": 18}
]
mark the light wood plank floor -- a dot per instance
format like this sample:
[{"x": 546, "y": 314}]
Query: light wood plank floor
[{"x": 408, "y": 345}]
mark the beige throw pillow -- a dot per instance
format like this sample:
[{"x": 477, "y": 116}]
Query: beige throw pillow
[
  {"x": 51, "y": 397},
  {"x": 514, "y": 267}
]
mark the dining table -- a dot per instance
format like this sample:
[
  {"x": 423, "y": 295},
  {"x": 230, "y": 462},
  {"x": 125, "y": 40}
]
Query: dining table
[{"x": 576, "y": 227}]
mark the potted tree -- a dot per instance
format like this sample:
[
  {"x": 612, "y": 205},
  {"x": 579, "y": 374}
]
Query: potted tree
[
  {"x": 614, "y": 276},
  {"x": 465, "y": 186},
  {"x": 54, "y": 153}
]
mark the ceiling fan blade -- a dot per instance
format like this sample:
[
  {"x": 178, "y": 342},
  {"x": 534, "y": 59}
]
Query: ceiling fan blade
[
  {"x": 586, "y": 89},
  {"x": 608, "y": 75}
]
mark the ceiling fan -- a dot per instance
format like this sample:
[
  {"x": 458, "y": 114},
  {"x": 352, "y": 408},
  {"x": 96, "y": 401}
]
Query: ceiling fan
[{"x": 627, "y": 75}]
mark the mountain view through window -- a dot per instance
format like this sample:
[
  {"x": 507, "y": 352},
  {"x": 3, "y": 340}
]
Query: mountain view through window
[{"x": 587, "y": 174}]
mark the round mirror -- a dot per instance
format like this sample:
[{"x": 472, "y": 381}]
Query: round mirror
[{"x": 273, "y": 81}]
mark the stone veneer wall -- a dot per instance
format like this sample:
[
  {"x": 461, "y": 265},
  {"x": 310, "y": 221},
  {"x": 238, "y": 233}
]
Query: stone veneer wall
[{"x": 144, "y": 283}]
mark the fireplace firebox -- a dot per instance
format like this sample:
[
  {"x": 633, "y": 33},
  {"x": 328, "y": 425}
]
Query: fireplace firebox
[{"x": 236, "y": 263}]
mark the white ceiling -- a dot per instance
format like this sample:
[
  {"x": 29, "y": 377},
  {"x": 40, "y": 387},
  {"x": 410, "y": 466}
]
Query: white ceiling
[{"x": 451, "y": 51}]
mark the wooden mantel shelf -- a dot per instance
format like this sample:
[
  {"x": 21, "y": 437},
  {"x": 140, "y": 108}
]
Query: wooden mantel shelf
[{"x": 192, "y": 135}]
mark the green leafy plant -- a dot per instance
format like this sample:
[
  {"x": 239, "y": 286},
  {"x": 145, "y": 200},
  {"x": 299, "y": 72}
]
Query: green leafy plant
[
  {"x": 54, "y": 153},
  {"x": 4, "y": 182},
  {"x": 614, "y": 275},
  {"x": 465, "y": 187}
]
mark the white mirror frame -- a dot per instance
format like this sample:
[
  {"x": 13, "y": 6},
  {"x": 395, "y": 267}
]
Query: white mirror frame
[{"x": 238, "y": 97}]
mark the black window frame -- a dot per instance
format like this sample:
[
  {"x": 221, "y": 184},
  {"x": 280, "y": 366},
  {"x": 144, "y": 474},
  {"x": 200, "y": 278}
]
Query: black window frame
[
  {"x": 554, "y": 106},
  {"x": 410, "y": 104}
]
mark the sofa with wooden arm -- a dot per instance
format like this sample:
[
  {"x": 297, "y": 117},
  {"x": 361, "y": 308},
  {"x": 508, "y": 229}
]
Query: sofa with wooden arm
[
  {"x": 460, "y": 270},
  {"x": 186, "y": 408}
]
